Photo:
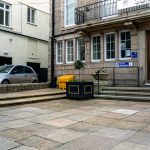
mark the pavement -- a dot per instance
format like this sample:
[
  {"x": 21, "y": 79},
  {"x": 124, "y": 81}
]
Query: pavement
[{"x": 94, "y": 124}]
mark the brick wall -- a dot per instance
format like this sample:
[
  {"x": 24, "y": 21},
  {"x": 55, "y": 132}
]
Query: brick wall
[{"x": 22, "y": 87}]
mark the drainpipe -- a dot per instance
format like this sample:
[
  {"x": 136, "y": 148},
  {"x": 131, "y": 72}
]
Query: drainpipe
[{"x": 53, "y": 82}]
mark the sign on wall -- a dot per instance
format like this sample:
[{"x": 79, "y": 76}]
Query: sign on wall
[
  {"x": 122, "y": 4},
  {"x": 134, "y": 55},
  {"x": 124, "y": 64}
]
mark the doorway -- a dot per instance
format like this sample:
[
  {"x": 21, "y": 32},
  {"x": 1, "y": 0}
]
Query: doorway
[
  {"x": 36, "y": 67},
  {"x": 5, "y": 61}
]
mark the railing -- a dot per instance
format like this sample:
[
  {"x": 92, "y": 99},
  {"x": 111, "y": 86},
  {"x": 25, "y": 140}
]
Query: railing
[
  {"x": 95, "y": 11},
  {"x": 121, "y": 76},
  {"x": 117, "y": 76}
]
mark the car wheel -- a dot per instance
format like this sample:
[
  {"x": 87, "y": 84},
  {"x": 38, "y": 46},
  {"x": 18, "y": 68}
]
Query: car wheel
[
  {"x": 34, "y": 81},
  {"x": 5, "y": 82}
]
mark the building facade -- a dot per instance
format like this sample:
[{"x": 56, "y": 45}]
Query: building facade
[
  {"x": 24, "y": 34},
  {"x": 104, "y": 34}
]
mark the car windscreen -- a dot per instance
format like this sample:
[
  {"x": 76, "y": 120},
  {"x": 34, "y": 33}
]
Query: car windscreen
[{"x": 5, "y": 69}]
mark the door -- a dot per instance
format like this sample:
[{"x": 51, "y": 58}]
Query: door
[
  {"x": 5, "y": 60},
  {"x": 148, "y": 56},
  {"x": 18, "y": 75},
  {"x": 36, "y": 67}
]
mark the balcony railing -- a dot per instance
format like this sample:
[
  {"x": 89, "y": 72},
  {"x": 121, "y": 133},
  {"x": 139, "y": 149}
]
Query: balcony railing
[{"x": 99, "y": 10}]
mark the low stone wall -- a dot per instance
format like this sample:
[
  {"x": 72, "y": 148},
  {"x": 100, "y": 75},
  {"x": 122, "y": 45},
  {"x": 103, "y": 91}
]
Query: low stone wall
[{"x": 9, "y": 88}]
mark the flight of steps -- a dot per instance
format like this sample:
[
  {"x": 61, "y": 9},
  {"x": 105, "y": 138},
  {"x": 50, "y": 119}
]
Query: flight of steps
[
  {"x": 31, "y": 98},
  {"x": 125, "y": 93}
]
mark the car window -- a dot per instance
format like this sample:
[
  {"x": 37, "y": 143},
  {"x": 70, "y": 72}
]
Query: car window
[
  {"x": 28, "y": 70},
  {"x": 5, "y": 69},
  {"x": 18, "y": 70}
]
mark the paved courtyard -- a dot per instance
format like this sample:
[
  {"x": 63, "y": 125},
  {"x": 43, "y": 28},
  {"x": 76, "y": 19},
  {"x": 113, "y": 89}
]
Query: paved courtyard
[{"x": 76, "y": 125}]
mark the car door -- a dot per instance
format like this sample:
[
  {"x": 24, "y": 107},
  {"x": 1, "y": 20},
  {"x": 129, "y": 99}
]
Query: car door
[
  {"x": 29, "y": 74},
  {"x": 18, "y": 75}
]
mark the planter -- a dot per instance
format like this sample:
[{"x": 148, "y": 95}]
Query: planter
[
  {"x": 100, "y": 76},
  {"x": 79, "y": 90}
]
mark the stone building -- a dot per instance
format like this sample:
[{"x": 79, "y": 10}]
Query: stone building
[
  {"x": 24, "y": 34},
  {"x": 103, "y": 34}
]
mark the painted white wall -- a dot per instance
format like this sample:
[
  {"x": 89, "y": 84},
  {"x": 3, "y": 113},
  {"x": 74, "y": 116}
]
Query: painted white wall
[
  {"x": 19, "y": 20},
  {"x": 17, "y": 46}
]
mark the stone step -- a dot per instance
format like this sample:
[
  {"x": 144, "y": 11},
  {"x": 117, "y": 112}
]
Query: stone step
[
  {"x": 133, "y": 93},
  {"x": 138, "y": 89},
  {"x": 128, "y": 98},
  {"x": 31, "y": 100},
  {"x": 31, "y": 95}
]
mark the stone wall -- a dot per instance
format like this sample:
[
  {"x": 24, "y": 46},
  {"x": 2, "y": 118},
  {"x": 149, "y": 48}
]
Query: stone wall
[{"x": 22, "y": 87}]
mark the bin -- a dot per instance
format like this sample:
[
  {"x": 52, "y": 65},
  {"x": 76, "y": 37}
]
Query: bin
[{"x": 63, "y": 79}]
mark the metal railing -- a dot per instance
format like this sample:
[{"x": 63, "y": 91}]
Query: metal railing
[
  {"x": 117, "y": 76},
  {"x": 95, "y": 11},
  {"x": 121, "y": 76}
]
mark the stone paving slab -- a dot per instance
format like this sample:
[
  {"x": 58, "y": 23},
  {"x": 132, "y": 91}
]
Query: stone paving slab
[
  {"x": 6, "y": 144},
  {"x": 39, "y": 143},
  {"x": 140, "y": 138},
  {"x": 93, "y": 142},
  {"x": 64, "y": 135},
  {"x": 24, "y": 148},
  {"x": 76, "y": 125},
  {"x": 114, "y": 133},
  {"x": 130, "y": 146}
]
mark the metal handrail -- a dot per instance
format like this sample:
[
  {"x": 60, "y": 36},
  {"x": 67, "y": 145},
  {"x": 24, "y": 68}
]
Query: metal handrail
[{"x": 114, "y": 74}]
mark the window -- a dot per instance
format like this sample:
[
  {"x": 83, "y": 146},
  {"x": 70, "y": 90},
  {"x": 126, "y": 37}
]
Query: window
[
  {"x": 96, "y": 50},
  {"x": 69, "y": 12},
  {"x": 109, "y": 8},
  {"x": 4, "y": 14},
  {"x": 59, "y": 52},
  {"x": 28, "y": 70},
  {"x": 81, "y": 49},
  {"x": 31, "y": 15},
  {"x": 110, "y": 46},
  {"x": 18, "y": 70},
  {"x": 125, "y": 44},
  {"x": 69, "y": 52}
]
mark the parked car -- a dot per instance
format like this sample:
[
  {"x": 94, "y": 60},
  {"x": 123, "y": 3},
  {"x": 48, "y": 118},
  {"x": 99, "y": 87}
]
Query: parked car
[{"x": 13, "y": 74}]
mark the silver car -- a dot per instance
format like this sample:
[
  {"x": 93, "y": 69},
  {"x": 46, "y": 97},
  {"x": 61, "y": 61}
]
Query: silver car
[{"x": 12, "y": 74}]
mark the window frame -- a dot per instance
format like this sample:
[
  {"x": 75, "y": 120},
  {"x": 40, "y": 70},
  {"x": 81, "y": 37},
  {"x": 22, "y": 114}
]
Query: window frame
[
  {"x": 105, "y": 51},
  {"x": 65, "y": 14},
  {"x": 126, "y": 58},
  {"x": 95, "y": 60},
  {"x": 112, "y": 9},
  {"x": 31, "y": 17},
  {"x": 78, "y": 49},
  {"x": 4, "y": 15},
  {"x": 69, "y": 62},
  {"x": 61, "y": 52}
]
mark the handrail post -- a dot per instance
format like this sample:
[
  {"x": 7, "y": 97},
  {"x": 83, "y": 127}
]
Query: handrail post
[
  {"x": 138, "y": 76},
  {"x": 98, "y": 84},
  {"x": 114, "y": 82}
]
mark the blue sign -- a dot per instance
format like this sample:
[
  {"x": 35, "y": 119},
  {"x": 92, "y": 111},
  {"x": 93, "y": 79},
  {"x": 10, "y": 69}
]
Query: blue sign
[
  {"x": 134, "y": 55},
  {"x": 124, "y": 64}
]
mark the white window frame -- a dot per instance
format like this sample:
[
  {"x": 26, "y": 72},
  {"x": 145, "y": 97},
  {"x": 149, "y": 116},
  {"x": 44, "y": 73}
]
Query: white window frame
[
  {"x": 61, "y": 52},
  {"x": 78, "y": 48},
  {"x": 30, "y": 19},
  {"x": 6, "y": 10},
  {"x": 95, "y": 60},
  {"x": 65, "y": 14},
  {"x": 69, "y": 62},
  {"x": 105, "y": 51},
  {"x": 108, "y": 16},
  {"x": 126, "y": 58}
]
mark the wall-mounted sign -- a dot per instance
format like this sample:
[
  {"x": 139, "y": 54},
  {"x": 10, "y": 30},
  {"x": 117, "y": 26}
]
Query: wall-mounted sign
[
  {"x": 122, "y": 4},
  {"x": 124, "y": 64},
  {"x": 134, "y": 55}
]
